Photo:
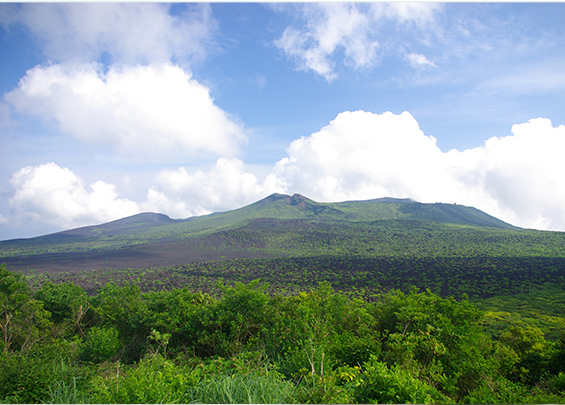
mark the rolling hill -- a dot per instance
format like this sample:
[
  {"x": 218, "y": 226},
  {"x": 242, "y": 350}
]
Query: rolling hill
[
  {"x": 285, "y": 207},
  {"x": 294, "y": 242},
  {"x": 151, "y": 239}
]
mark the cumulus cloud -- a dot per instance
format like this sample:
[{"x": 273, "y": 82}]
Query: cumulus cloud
[
  {"x": 129, "y": 33},
  {"x": 156, "y": 111},
  {"x": 49, "y": 197},
  {"x": 54, "y": 195},
  {"x": 115, "y": 77},
  {"x": 359, "y": 155},
  {"x": 352, "y": 28},
  {"x": 520, "y": 175},
  {"x": 362, "y": 155},
  {"x": 226, "y": 185}
]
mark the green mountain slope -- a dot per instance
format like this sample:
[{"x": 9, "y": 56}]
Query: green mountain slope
[
  {"x": 280, "y": 206},
  {"x": 282, "y": 226},
  {"x": 293, "y": 243}
]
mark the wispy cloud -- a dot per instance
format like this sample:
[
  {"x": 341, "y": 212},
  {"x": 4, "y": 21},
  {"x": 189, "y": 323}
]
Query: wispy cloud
[
  {"x": 352, "y": 29},
  {"x": 543, "y": 77},
  {"x": 128, "y": 33},
  {"x": 419, "y": 61}
]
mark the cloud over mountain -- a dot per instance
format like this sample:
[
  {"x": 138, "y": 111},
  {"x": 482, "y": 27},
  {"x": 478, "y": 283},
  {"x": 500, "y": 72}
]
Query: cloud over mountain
[
  {"x": 359, "y": 155},
  {"x": 362, "y": 155},
  {"x": 55, "y": 195},
  {"x": 226, "y": 185},
  {"x": 186, "y": 108}
]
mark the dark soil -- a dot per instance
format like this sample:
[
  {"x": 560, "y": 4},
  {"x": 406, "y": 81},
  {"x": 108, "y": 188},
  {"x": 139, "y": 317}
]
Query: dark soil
[{"x": 147, "y": 255}]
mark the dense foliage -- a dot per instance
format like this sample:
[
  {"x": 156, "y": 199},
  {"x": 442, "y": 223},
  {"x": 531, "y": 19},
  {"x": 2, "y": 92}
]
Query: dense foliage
[{"x": 248, "y": 343}]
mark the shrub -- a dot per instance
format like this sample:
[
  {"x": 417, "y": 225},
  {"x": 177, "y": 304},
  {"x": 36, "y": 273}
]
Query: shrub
[
  {"x": 380, "y": 384},
  {"x": 101, "y": 344},
  {"x": 153, "y": 380}
]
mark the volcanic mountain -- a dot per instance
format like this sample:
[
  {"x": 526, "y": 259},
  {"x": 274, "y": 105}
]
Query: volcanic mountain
[{"x": 274, "y": 226}]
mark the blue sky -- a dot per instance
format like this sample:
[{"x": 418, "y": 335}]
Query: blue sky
[{"x": 111, "y": 109}]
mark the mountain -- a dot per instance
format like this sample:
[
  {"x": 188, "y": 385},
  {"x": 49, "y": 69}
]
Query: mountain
[
  {"x": 293, "y": 243},
  {"x": 275, "y": 226},
  {"x": 285, "y": 207}
]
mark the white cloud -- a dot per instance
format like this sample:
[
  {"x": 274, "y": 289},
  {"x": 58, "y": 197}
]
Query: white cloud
[
  {"x": 227, "y": 185},
  {"x": 361, "y": 155},
  {"x": 419, "y": 61},
  {"x": 156, "y": 111},
  {"x": 50, "y": 194},
  {"x": 353, "y": 28},
  {"x": 329, "y": 27},
  {"x": 521, "y": 173},
  {"x": 420, "y": 13},
  {"x": 127, "y": 32}
]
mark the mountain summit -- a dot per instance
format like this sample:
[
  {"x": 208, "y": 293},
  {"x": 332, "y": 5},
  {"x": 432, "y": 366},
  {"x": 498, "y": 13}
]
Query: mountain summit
[{"x": 297, "y": 206}]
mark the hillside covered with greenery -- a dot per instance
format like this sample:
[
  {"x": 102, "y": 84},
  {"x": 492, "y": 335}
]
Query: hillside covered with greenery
[
  {"x": 287, "y": 300},
  {"x": 250, "y": 232},
  {"x": 242, "y": 344}
]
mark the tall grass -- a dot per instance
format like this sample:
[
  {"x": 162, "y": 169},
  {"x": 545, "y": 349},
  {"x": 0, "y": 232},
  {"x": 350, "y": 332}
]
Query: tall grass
[
  {"x": 62, "y": 392},
  {"x": 247, "y": 388}
]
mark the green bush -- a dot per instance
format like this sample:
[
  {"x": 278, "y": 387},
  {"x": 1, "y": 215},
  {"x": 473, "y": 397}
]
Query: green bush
[
  {"x": 381, "y": 384},
  {"x": 153, "y": 380},
  {"x": 557, "y": 383},
  {"x": 101, "y": 344},
  {"x": 28, "y": 377},
  {"x": 497, "y": 391}
]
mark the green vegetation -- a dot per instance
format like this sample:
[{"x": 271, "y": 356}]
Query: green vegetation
[
  {"x": 287, "y": 301},
  {"x": 246, "y": 343},
  {"x": 201, "y": 233}
]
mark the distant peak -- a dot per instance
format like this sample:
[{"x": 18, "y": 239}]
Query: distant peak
[
  {"x": 384, "y": 200},
  {"x": 394, "y": 200},
  {"x": 275, "y": 196},
  {"x": 297, "y": 199},
  {"x": 272, "y": 198}
]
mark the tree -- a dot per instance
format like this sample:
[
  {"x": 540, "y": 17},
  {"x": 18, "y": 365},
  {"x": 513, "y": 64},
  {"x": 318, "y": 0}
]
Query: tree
[
  {"x": 440, "y": 340},
  {"x": 23, "y": 320},
  {"x": 125, "y": 309},
  {"x": 67, "y": 302}
]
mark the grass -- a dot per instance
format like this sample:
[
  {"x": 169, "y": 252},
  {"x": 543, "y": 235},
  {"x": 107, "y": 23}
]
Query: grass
[{"x": 248, "y": 388}]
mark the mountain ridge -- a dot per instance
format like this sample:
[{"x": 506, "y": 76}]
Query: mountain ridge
[
  {"x": 278, "y": 225},
  {"x": 296, "y": 206}
]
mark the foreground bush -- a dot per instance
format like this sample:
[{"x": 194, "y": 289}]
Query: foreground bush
[{"x": 247, "y": 345}]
